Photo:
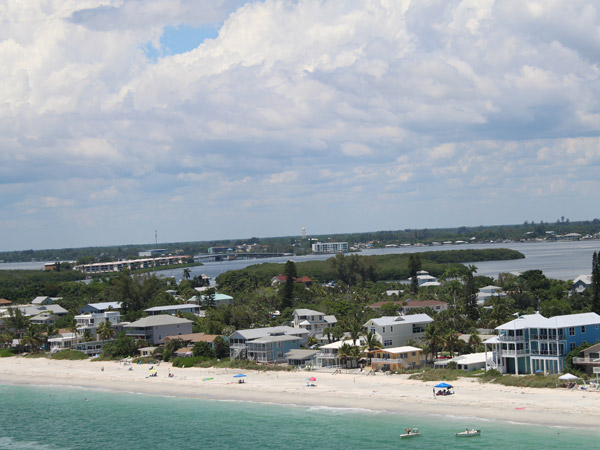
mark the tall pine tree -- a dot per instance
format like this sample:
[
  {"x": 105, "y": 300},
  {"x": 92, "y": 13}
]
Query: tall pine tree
[{"x": 596, "y": 283}]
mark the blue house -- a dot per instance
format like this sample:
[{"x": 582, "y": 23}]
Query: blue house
[
  {"x": 533, "y": 343},
  {"x": 272, "y": 348}
]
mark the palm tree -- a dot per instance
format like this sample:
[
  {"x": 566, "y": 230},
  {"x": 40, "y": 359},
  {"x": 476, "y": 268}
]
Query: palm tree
[
  {"x": 186, "y": 273},
  {"x": 432, "y": 338},
  {"x": 356, "y": 353},
  {"x": 345, "y": 352},
  {"x": 311, "y": 341},
  {"x": 105, "y": 331},
  {"x": 371, "y": 341},
  {"x": 450, "y": 339},
  {"x": 474, "y": 342},
  {"x": 6, "y": 339},
  {"x": 16, "y": 321},
  {"x": 355, "y": 332},
  {"x": 31, "y": 338}
]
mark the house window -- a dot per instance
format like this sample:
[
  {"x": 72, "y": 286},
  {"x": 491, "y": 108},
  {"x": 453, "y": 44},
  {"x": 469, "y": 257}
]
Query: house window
[
  {"x": 572, "y": 346},
  {"x": 384, "y": 329},
  {"x": 280, "y": 344},
  {"x": 572, "y": 331},
  {"x": 391, "y": 329},
  {"x": 280, "y": 355},
  {"x": 583, "y": 329},
  {"x": 418, "y": 328},
  {"x": 387, "y": 342},
  {"x": 373, "y": 329}
]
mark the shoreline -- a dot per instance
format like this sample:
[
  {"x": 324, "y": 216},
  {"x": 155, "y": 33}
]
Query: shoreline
[{"x": 381, "y": 393}]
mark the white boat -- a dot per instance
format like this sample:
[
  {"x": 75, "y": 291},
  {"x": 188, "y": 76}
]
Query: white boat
[
  {"x": 469, "y": 433},
  {"x": 410, "y": 432}
]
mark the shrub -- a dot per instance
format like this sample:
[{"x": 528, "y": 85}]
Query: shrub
[
  {"x": 69, "y": 354},
  {"x": 438, "y": 375},
  {"x": 6, "y": 352}
]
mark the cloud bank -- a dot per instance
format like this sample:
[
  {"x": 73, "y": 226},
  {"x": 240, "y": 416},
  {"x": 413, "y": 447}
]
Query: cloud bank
[{"x": 333, "y": 115}]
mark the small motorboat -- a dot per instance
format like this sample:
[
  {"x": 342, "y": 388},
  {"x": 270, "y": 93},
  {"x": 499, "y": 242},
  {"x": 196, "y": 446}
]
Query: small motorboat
[
  {"x": 410, "y": 432},
  {"x": 469, "y": 433}
]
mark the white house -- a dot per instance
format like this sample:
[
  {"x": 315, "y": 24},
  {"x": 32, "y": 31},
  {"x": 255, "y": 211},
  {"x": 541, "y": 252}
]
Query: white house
[
  {"x": 581, "y": 283},
  {"x": 100, "y": 307},
  {"x": 89, "y": 322},
  {"x": 394, "y": 331},
  {"x": 315, "y": 322},
  {"x": 487, "y": 292},
  {"x": 173, "y": 309}
]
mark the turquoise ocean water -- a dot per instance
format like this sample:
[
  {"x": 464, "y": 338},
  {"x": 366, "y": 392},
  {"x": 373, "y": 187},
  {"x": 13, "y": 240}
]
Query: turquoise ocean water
[{"x": 56, "y": 418}]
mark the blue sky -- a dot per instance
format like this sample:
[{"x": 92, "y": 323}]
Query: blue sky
[{"x": 230, "y": 119}]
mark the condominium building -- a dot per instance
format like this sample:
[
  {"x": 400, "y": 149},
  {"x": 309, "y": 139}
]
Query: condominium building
[{"x": 330, "y": 247}]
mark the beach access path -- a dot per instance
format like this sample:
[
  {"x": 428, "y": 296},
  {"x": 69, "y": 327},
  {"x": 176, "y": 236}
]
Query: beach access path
[{"x": 392, "y": 393}]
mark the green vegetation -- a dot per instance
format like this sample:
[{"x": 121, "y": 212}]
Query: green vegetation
[
  {"x": 242, "y": 364},
  {"x": 5, "y": 352},
  {"x": 68, "y": 354},
  {"x": 438, "y": 375},
  {"x": 361, "y": 269}
]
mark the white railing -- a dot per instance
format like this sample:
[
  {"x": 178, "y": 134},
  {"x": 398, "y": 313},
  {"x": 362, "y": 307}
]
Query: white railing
[
  {"x": 587, "y": 360},
  {"x": 515, "y": 352},
  {"x": 390, "y": 361}
]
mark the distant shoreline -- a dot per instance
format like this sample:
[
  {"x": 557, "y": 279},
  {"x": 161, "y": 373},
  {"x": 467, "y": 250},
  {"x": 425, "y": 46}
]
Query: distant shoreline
[{"x": 392, "y": 394}]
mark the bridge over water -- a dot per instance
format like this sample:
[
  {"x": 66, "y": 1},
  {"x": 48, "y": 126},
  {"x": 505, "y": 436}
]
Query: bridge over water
[{"x": 209, "y": 257}]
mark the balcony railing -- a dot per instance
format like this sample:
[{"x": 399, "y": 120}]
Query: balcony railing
[
  {"x": 547, "y": 353},
  {"x": 515, "y": 352},
  {"x": 505, "y": 338},
  {"x": 594, "y": 361}
]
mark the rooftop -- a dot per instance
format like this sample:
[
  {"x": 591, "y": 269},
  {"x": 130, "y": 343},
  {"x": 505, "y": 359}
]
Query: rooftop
[{"x": 153, "y": 321}]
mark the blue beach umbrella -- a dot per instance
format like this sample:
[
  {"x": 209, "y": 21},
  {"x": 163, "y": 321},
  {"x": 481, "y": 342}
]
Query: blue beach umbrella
[
  {"x": 443, "y": 385},
  {"x": 239, "y": 375}
]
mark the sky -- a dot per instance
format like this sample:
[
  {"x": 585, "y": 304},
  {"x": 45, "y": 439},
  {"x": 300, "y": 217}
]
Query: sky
[{"x": 218, "y": 119}]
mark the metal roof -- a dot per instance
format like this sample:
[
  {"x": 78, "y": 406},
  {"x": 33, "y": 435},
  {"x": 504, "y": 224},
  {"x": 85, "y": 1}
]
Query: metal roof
[{"x": 399, "y": 320}]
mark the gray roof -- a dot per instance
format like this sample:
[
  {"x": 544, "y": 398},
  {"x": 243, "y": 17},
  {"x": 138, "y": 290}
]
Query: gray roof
[
  {"x": 398, "y": 320},
  {"x": 330, "y": 319},
  {"x": 276, "y": 338},
  {"x": 172, "y": 307},
  {"x": 34, "y": 310},
  {"x": 105, "y": 305},
  {"x": 307, "y": 312},
  {"x": 153, "y": 321},
  {"x": 300, "y": 353},
  {"x": 538, "y": 321},
  {"x": 255, "y": 333}
]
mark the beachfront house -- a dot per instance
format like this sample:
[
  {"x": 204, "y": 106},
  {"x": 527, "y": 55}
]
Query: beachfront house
[
  {"x": 239, "y": 340},
  {"x": 190, "y": 339},
  {"x": 301, "y": 357},
  {"x": 533, "y": 343},
  {"x": 273, "y": 348},
  {"x": 89, "y": 322},
  {"x": 468, "y": 362},
  {"x": 396, "y": 358},
  {"x": 315, "y": 322},
  {"x": 394, "y": 331},
  {"x": 590, "y": 360},
  {"x": 153, "y": 329},
  {"x": 329, "y": 355}
]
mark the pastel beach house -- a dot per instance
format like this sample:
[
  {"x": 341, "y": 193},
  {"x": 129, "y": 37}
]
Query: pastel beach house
[
  {"x": 533, "y": 343},
  {"x": 396, "y": 358}
]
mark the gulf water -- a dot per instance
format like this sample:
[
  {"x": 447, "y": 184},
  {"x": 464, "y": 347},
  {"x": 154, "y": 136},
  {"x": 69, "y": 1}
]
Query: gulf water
[{"x": 56, "y": 418}]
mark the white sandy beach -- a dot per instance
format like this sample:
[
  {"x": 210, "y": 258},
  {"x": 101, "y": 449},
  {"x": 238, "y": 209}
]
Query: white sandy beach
[{"x": 395, "y": 393}]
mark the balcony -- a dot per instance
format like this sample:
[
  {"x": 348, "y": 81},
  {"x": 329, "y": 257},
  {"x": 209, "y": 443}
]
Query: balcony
[
  {"x": 505, "y": 338},
  {"x": 592, "y": 361},
  {"x": 389, "y": 361},
  {"x": 515, "y": 352}
]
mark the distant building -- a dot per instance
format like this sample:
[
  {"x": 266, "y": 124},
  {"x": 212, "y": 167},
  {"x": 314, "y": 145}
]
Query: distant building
[
  {"x": 153, "y": 252},
  {"x": 213, "y": 250},
  {"x": 281, "y": 279},
  {"x": 581, "y": 283},
  {"x": 330, "y": 247},
  {"x": 173, "y": 309},
  {"x": 434, "y": 305},
  {"x": 131, "y": 264}
]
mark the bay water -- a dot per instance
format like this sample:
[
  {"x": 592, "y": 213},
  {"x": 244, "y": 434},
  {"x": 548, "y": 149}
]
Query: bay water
[{"x": 57, "y": 418}]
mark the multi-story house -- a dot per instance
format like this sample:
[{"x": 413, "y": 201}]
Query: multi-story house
[
  {"x": 153, "y": 329},
  {"x": 89, "y": 322},
  {"x": 396, "y": 358},
  {"x": 394, "y": 331},
  {"x": 240, "y": 339},
  {"x": 315, "y": 322},
  {"x": 533, "y": 343},
  {"x": 272, "y": 348}
]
